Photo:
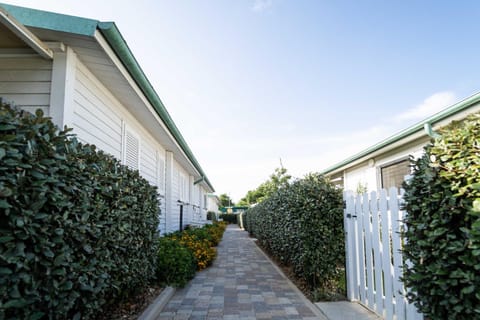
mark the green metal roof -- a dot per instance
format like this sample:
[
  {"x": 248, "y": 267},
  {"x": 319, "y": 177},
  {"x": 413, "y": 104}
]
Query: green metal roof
[
  {"x": 87, "y": 27},
  {"x": 452, "y": 110}
]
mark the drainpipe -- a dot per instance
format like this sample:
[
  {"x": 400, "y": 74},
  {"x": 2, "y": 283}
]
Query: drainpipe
[
  {"x": 429, "y": 130},
  {"x": 202, "y": 178}
]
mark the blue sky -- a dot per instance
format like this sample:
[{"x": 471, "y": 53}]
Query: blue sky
[{"x": 311, "y": 82}]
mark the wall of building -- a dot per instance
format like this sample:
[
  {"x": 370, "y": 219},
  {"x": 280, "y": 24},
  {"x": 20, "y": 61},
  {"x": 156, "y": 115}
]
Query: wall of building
[
  {"x": 367, "y": 174},
  {"x": 25, "y": 82}
]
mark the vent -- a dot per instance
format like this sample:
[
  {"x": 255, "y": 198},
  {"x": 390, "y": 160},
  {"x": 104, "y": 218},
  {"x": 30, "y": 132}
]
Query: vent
[{"x": 132, "y": 146}]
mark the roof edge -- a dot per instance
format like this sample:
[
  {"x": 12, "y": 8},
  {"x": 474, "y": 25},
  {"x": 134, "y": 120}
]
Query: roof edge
[
  {"x": 447, "y": 112},
  {"x": 51, "y": 20},
  {"x": 87, "y": 27},
  {"x": 114, "y": 38}
]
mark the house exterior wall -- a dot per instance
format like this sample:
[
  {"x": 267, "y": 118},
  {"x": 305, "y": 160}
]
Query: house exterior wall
[
  {"x": 25, "y": 82},
  {"x": 212, "y": 203},
  {"x": 367, "y": 174},
  {"x": 63, "y": 83}
]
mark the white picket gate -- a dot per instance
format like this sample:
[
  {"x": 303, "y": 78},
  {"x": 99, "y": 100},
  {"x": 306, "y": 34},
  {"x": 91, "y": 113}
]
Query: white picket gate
[{"x": 374, "y": 262}]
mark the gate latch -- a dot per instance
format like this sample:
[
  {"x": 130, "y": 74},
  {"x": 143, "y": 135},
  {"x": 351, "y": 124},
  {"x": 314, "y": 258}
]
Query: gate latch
[{"x": 351, "y": 216}]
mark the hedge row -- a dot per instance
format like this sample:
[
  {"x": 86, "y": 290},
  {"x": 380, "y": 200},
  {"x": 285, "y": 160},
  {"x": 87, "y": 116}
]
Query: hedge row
[
  {"x": 229, "y": 217},
  {"x": 78, "y": 230},
  {"x": 443, "y": 225},
  {"x": 302, "y": 225},
  {"x": 182, "y": 253}
]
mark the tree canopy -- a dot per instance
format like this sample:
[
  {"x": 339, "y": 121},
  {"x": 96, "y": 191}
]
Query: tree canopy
[
  {"x": 277, "y": 180},
  {"x": 225, "y": 200}
]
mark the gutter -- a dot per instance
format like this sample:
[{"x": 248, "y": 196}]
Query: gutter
[
  {"x": 116, "y": 41},
  {"x": 419, "y": 127},
  {"x": 87, "y": 27}
]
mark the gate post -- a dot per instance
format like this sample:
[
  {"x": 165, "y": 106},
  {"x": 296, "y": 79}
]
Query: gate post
[{"x": 349, "y": 218}]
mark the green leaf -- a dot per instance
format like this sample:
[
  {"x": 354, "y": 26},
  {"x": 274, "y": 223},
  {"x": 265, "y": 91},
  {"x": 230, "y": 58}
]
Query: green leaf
[
  {"x": 15, "y": 303},
  {"x": 37, "y": 315},
  {"x": 6, "y": 239},
  {"x": 48, "y": 253},
  {"x": 5, "y": 271},
  {"x": 4, "y": 204}
]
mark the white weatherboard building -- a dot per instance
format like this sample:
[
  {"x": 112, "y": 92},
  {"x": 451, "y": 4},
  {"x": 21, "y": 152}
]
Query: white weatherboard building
[
  {"x": 82, "y": 74},
  {"x": 386, "y": 164}
]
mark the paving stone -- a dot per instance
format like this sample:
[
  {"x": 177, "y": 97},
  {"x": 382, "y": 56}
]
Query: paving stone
[{"x": 241, "y": 284}]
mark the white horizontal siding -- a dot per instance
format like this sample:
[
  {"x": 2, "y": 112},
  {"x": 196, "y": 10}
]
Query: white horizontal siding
[
  {"x": 174, "y": 215},
  {"x": 95, "y": 114},
  {"x": 148, "y": 162},
  {"x": 26, "y": 83}
]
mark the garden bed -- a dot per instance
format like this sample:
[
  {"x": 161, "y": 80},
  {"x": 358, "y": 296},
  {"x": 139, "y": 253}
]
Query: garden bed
[{"x": 132, "y": 308}]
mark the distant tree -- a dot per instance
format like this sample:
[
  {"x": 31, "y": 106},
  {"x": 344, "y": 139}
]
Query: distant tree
[
  {"x": 277, "y": 180},
  {"x": 225, "y": 200}
]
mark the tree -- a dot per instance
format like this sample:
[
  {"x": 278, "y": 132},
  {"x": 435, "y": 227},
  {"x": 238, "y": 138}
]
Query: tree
[
  {"x": 277, "y": 180},
  {"x": 225, "y": 200}
]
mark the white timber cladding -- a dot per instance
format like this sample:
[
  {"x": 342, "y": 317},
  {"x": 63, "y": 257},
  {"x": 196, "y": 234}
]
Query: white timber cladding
[
  {"x": 173, "y": 216},
  {"x": 367, "y": 174},
  {"x": 26, "y": 82},
  {"x": 99, "y": 118},
  {"x": 96, "y": 116}
]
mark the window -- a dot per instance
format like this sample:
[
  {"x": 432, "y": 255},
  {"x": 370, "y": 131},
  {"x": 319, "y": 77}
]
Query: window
[{"x": 393, "y": 175}]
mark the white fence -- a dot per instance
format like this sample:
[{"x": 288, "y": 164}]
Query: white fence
[{"x": 373, "y": 222}]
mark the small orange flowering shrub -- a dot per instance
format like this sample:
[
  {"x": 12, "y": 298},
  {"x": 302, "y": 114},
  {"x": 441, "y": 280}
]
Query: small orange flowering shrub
[
  {"x": 201, "y": 248},
  {"x": 216, "y": 231},
  {"x": 201, "y": 242}
]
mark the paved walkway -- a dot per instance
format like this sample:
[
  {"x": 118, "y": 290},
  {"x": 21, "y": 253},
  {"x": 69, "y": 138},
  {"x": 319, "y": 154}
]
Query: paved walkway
[{"x": 241, "y": 284}]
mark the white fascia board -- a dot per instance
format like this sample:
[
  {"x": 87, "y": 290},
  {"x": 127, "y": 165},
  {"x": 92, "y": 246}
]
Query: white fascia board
[
  {"x": 23, "y": 33},
  {"x": 121, "y": 68},
  {"x": 413, "y": 137}
]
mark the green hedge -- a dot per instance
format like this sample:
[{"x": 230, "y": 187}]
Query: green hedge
[
  {"x": 302, "y": 225},
  {"x": 176, "y": 263},
  {"x": 443, "y": 225},
  {"x": 229, "y": 217},
  {"x": 77, "y": 229}
]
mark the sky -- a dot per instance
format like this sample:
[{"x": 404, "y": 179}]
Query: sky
[{"x": 310, "y": 82}]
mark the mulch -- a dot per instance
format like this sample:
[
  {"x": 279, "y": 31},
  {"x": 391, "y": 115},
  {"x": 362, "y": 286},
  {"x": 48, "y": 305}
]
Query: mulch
[{"x": 132, "y": 308}]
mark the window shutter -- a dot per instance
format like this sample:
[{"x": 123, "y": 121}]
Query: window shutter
[{"x": 132, "y": 146}]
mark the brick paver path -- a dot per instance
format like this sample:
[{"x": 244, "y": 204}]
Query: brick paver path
[{"x": 241, "y": 284}]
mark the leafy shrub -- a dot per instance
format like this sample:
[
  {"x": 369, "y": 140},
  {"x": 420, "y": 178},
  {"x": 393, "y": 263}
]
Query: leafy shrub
[
  {"x": 176, "y": 263},
  {"x": 211, "y": 216},
  {"x": 201, "y": 249},
  {"x": 77, "y": 229},
  {"x": 302, "y": 225},
  {"x": 216, "y": 231},
  {"x": 200, "y": 234},
  {"x": 443, "y": 225},
  {"x": 229, "y": 217}
]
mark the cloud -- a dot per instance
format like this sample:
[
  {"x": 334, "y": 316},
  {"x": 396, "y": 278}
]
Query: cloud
[
  {"x": 429, "y": 106},
  {"x": 262, "y": 5}
]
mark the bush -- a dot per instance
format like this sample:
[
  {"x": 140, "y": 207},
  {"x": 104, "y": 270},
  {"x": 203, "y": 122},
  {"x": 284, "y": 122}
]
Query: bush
[
  {"x": 201, "y": 249},
  {"x": 302, "y": 225},
  {"x": 212, "y": 216},
  {"x": 443, "y": 225},
  {"x": 229, "y": 217},
  {"x": 176, "y": 263},
  {"x": 216, "y": 232},
  {"x": 77, "y": 229}
]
